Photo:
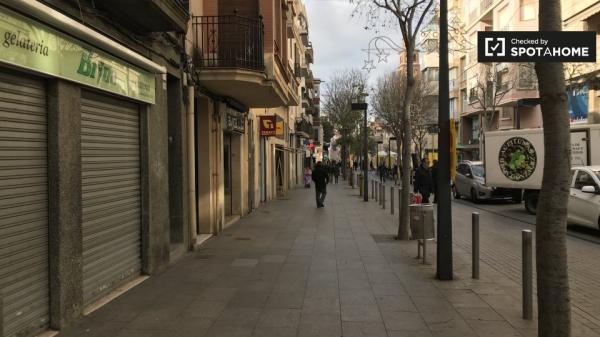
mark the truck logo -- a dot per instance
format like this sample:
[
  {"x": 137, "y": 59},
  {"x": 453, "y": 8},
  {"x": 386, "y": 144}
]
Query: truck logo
[{"x": 517, "y": 159}]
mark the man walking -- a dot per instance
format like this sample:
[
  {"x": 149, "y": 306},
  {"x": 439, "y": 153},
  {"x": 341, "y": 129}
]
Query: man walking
[
  {"x": 336, "y": 172},
  {"x": 321, "y": 178},
  {"x": 423, "y": 181}
]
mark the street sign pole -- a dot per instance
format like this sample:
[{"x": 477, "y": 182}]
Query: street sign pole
[{"x": 444, "y": 210}]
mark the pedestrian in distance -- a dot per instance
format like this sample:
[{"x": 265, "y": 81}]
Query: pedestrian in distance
[
  {"x": 321, "y": 178},
  {"x": 423, "y": 180},
  {"x": 434, "y": 174}
]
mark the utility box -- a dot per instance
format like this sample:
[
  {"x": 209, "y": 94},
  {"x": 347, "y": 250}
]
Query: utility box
[{"x": 421, "y": 222}]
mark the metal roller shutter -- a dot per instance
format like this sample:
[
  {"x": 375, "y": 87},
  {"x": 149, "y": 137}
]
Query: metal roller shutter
[
  {"x": 23, "y": 205},
  {"x": 110, "y": 165}
]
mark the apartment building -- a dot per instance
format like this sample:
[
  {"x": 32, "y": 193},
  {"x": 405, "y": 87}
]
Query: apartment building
[{"x": 498, "y": 96}]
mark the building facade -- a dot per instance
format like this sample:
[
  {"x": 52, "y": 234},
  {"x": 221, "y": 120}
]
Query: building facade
[{"x": 131, "y": 132}]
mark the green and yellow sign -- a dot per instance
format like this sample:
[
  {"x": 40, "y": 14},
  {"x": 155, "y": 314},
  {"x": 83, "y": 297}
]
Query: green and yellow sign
[{"x": 29, "y": 44}]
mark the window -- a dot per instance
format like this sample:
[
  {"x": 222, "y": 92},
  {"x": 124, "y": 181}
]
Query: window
[
  {"x": 475, "y": 129},
  {"x": 528, "y": 10},
  {"x": 433, "y": 74},
  {"x": 527, "y": 76},
  {"x": 584, "y": 179},
  {"x": 478, "y": 170},
  {"x": 506, "y": 114},
  {"x": 453, "y": 112}
]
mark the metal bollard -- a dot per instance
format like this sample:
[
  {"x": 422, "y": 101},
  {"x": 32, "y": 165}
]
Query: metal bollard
[
  {"x": 372, "y": 189},
  {"x": 376, "y": 191},
  {"x": 475, "y": 244},
  {"x": 381, "y": 187},
  {"x": 383, "y": 197},
  {"x": 392, "y": 199},
  {"x": 399, "y": 202},
  {"x": 527, "y": 275}
]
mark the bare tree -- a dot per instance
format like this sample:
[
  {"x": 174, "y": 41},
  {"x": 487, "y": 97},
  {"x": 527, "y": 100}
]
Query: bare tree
[
  {"x": 339, "y": 92},
  {"x": 409, "y": 15},
  {"x": 423, "y": 114},
  {"x": 554, "y": 307},
  {"x": 387, "y": 104}
]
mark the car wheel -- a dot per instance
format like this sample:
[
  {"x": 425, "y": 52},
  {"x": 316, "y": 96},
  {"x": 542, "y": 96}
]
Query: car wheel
[
  {"x": 474, "y": 197},
  {"x": 455, "y": 192},
  {"x": 531, "y": 202}
]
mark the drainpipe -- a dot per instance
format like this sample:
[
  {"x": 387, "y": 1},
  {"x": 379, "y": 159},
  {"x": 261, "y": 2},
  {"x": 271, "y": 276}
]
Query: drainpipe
[{"x": 191, "y": 160}]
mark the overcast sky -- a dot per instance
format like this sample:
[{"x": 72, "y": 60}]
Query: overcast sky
[{"x": 338, "y": 39}]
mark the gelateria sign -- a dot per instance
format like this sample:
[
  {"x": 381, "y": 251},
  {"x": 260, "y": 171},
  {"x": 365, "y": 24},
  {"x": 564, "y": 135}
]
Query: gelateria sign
[{"x": 29, "y": 44}]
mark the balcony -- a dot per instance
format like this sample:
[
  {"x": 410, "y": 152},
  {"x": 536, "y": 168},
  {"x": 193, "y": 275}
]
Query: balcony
[
  {"x": 309, "y": 53},
  {"x": 229, "y": 59},
  {"x": 150, "y": 15},
  {"x": 304, "y": 128}
]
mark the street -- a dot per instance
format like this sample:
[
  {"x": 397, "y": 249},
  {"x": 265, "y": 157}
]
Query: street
[{"x": 290, "y": 269}]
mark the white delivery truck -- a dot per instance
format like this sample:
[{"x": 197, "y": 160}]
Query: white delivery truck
[{"x": 515, "y": 158}]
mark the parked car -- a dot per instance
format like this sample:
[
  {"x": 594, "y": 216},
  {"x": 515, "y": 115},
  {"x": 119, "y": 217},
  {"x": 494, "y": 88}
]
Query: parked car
[
  {"x": 584, "y": 198},
  {"x": 470, "y": 182}
]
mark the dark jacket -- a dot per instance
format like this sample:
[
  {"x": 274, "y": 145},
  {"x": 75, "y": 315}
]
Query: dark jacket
[
  {"x": 423, "y": 180},
  {"x": 320, "y": 177},
  {"x": 434, "y": 174}
]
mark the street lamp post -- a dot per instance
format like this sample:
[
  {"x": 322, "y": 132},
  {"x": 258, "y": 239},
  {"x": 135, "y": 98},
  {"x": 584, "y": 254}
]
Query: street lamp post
[
  {"x": 378, "y": 142},
  {"x": 444, "y": 210},
  {"x": 365, "y": 162}
]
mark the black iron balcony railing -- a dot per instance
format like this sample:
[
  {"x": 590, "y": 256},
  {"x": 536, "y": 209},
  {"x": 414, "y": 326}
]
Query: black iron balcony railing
[
  {"x": 304, "y": 127},
  {"x": 229, "y": 41}
]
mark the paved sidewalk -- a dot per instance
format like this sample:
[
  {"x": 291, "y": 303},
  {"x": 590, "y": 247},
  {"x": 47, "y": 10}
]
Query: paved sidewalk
[{"x": 290, "y": 269}]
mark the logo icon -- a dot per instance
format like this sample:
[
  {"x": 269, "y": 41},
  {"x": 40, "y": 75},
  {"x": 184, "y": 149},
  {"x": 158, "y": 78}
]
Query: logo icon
[
  {"x": 267, "y": 123},
  {"x": 517, "y": 159},
  {"x": 495, "y": 46}
]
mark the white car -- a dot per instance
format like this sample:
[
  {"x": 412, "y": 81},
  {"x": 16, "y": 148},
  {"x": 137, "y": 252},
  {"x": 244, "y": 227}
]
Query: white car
[{"x": 584, "y": 198}]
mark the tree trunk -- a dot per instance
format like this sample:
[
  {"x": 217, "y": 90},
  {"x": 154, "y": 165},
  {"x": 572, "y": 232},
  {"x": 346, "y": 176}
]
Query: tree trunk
[
  {"x": 554, "y": 308},
  {"x": 344, "y": 159},
  {"x": 404, "y": 221}
]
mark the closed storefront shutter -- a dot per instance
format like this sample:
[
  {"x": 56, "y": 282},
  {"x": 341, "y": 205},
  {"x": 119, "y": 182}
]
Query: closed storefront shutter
[
  {"x": 110, "y": 160},
  {"x": 23, "y": 205}
]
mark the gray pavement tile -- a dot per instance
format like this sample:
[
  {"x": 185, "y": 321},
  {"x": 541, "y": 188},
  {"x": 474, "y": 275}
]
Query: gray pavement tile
[
  {"x": 274, "y": 332},
  {"x": 279, "y": 318},
  {"x": 388, "y": 289},
  {"x": 204, "y": 309},
  {"x": 186, "y": 327},
  {"x": 225, "y": 330},
  {"x": 357, "y": 296},
  {"x": 416, "y": 333},
  {"x": 347, "y": 283},
  {"x": 396, "y": 303},
  {"x": 218, "y": 294},
  {"x": 156, "y": 317},
  {"x": 481, "y": 314},
  {"x": 464, "y": 299},
  {"x": 493, "y": 328},
  {"x": 402, "y": 320},
  {"x": 319, "y": 325},
  {"x": 364, "y": 329},
  {"x": 143, "y": 333},
  {"x": 240, "y": 317},
  {"x": 429, "y": 304},
  {"x": 382, "y": 277},
  {"x": 90, "y": 328},
  {"x": 241, "y": 262},
  {"x": 360, "y": 313},
  {"x": 322, "y": 291},
  {"x": 286, "y": 299},
  {"x": 321, "y": 305},
  {"x": 249, "y": 299},
  {"x": 273, "y": 258}
]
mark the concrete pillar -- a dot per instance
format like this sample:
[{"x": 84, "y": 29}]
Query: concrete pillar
[
  {"x": 179, "y": 233},
  {"x": 65, "y": 244},
  {"x": 155, "y": 182}
]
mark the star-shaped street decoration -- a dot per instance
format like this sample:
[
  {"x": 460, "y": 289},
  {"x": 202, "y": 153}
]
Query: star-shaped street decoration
[
  {"x": 382, "y": 56},
  {"x": 368, "y": 66}
]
